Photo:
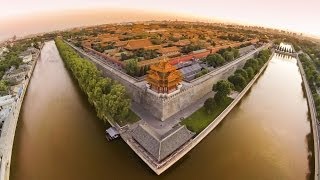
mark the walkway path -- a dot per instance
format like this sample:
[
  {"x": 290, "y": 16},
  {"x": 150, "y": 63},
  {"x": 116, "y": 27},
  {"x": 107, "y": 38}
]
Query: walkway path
[{"x": 314, "y": 122}]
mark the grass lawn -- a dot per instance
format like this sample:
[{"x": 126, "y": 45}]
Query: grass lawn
[
  {"x": 132, "y": 117},
  {"x": 200, "y": 119}
]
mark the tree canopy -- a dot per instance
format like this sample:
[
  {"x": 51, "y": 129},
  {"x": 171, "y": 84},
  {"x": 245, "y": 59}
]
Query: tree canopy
[
  {"x": 238, "y": 81},
  {"x": 131, "y": 67},
  {"x": 108, "y": 97},
  {"x": 215, "y": 60}
]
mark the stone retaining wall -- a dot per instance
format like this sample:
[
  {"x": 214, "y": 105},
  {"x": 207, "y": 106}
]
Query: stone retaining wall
[
  {"x": 160, "y": 168},
  {"x": 313, "y": 115},
  {"x": 163, "y": 108}
]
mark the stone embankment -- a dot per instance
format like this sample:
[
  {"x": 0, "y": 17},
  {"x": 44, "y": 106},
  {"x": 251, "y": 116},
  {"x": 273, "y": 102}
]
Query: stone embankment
[
  {"x": 160, "y": 168},
  {"x": 9, "y": 127},
  {"x": 314, "y": 121},
  {"x": 164, "y": 108}
]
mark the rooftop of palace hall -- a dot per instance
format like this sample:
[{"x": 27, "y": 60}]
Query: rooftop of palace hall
[{"x": 148, "y": 42}]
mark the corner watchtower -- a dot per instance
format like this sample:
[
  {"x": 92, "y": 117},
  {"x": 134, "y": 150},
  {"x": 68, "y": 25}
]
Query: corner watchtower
[{"x": 163, "y": 77}]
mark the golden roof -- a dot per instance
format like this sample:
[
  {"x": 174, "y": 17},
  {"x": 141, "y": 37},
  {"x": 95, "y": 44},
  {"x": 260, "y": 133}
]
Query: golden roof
[
  {"x": 164, "y": 74},
  {"x": 163, "y": 66}
]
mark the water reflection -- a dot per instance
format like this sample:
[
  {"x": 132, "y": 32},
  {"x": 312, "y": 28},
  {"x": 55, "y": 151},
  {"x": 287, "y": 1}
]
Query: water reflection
[{"x": 264, "y": 137}]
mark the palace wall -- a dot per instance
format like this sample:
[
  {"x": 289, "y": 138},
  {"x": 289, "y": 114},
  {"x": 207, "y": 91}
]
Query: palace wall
[
  {"x": 164, "y": 108},
  {"x": 198, "y": 89}
]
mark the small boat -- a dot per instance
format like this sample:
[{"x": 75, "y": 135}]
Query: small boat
[{"x": 112, "y": 133}]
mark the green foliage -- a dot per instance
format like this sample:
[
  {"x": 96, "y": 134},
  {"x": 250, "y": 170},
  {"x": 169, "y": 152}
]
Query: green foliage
[
  {"x": 145, "y": 54},
  {"x": 254, "y": 64},
  {"x": 11, "y": 58},
  {"x": 131, "y": 67},
  {"x": 243, "y": 73},
  {"x": 4, "y": 88},
  {"x": 156, "y": 41},
  {"x": 223, "y": 55},
  {"x": 235, "y": 52},
  {"x": 224, "y": 87},
  {"x": 200, "y": 119},
  {"x": 215, "y": 60},
  {"x": 250, "y": 72},
  {"x": 202, "y": 72},
  {"x": 109, "y": 98},
  {"x": 311, "y": 72},
  {"x": 191, "y": 47},
  {"x": 209, "y": 105},
  {"x": 228, "y": 55},
  {"x": 233, "y": 37},
  {"x": 238, "y": 81},
  {"x": 316, "y": 99},
  {"x": 97, "y": 47},
  {"x": 174, "y": 39}
]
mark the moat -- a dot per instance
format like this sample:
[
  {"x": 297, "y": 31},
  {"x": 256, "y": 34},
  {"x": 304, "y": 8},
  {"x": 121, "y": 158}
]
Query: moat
[{"x": 59, "y": 137}]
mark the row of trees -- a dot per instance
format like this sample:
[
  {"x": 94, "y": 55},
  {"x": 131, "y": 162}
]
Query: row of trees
[
  {"x": 191, "y": 47},
  {"x": 139, "y": 54},
  {"x": 311, "y": 72},
  {"x": 313, "y": 78},
  {"x": 98, "y": 47},
  {"x": 108, "y": 97},
  {"x": 238, "y": 81},
  {"x": 223, "y": 56},
  {"x": 233, "y": 37}
]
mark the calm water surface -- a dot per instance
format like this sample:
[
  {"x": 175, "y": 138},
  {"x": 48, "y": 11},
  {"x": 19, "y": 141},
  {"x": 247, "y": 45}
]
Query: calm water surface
[{"x": 59, "y": 137}]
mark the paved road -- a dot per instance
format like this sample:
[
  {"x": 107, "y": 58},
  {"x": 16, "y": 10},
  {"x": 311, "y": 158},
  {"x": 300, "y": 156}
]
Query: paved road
[{"x": 314, "y": 122}]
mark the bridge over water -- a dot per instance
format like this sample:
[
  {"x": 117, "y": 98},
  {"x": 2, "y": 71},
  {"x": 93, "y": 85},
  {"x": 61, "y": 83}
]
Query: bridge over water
[{"x": 286, "y": 49}]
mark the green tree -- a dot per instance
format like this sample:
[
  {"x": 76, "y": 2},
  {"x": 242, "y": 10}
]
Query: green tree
[
  {"x": 238, "y": 81},
  {"x": 215, "y": 60},
  {"x": 108, "y": 97},
  {"x": 131, "y": 67},
  {"x": 254, "y": 64},
  {"x": 235, "y": 52},
  {"x": 243, "y": 73},
  {"x": 209, "y": 105},
  {"x": 219, "y": 98},
  {"x": 228, "y": 55},
  {"x": 250, "y": 72},
  {"x": 4, "y": 89},
  {"x": 224, "y": 87}
]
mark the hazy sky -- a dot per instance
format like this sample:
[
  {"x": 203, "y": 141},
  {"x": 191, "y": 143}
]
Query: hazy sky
[{"x": 296, "y": 15}]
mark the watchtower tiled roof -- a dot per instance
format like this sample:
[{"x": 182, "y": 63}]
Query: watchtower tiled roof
[{"x": 161, "y": 146}]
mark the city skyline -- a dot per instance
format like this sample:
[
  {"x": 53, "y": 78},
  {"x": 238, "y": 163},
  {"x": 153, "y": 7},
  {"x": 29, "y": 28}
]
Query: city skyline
[{"x": 285, "y": 15}]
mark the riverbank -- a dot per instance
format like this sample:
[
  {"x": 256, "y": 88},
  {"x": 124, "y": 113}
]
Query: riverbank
[
  {"x": 163, "y": 166},
  {"x": 313, "y": 115},
  {"x": 7, "y": 136}
]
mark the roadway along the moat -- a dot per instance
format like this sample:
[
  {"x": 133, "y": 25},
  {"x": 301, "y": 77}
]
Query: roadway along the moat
[{"x": 314, "y": 122}]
